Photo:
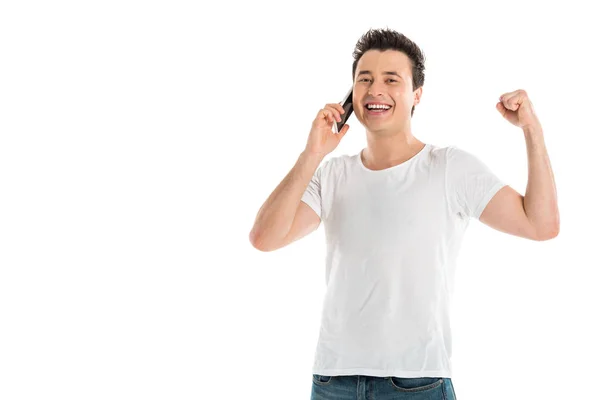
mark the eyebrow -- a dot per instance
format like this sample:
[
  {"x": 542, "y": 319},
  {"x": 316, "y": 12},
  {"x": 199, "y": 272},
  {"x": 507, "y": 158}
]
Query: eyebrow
[{"x": 384, "y": 72}]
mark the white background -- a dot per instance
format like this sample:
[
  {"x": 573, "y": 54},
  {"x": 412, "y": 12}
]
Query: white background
[{"x": 139, "y": 140}]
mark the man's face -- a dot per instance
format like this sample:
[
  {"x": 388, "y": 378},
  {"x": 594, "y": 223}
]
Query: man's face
[{"x": 384, "y": 77}]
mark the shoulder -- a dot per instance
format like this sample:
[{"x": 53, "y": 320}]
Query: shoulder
[
  {"x": 450, "y": 151},
  {"x": 454, "y": 160},
  {"x": 455, "y": 155},
  {"x": 436, "y": 155},
  {"x": 335, "y": 164}
]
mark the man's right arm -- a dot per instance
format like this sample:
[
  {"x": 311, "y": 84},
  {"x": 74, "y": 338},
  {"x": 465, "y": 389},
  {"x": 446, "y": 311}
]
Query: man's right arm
[{"x": 274, "y": 222}]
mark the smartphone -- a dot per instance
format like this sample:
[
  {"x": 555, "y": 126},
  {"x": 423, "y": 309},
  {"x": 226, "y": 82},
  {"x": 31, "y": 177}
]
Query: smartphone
[{"x": 347, "y": 105}]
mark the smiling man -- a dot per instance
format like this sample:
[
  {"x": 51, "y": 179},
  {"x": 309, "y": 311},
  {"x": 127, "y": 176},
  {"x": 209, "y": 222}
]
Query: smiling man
[
  {"x": 395, "y": 215},
  {"x": 384, "y": 101}
]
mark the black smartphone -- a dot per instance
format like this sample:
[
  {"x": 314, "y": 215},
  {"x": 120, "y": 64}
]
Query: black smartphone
[{"x": 347, "y": 105}]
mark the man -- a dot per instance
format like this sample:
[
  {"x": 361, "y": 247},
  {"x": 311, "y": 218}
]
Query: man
[{"x": 395, "y": 214}]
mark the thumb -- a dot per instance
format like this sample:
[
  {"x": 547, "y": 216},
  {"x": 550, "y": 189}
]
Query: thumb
[
  {"x": 501, "y": 109},
  {"x": 343, "y": 131}
]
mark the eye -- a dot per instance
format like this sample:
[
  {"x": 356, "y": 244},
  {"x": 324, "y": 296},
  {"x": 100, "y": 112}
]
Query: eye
[{"x": 365, "y": 79}]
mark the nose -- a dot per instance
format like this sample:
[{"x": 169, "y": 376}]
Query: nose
[{"x": 376, "y": 89}]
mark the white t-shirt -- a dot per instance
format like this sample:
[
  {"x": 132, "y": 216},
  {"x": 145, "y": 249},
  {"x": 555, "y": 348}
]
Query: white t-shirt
[{"x": 392, "y": 239}]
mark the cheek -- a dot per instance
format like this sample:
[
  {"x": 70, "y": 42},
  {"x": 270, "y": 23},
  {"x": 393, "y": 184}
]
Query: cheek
[
  {"x": 402, "y": 95},
  {"x": 402, "y": 98}
]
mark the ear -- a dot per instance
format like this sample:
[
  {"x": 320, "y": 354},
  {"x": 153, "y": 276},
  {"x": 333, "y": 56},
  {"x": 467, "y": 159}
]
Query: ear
[{"x": 417, "y": 94}]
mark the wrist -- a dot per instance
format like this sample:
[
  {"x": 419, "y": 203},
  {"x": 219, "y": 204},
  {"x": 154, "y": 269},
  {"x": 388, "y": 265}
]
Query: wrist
[
  {"x": 312, "y": 156},
  {"x": 533, "y": 130}
]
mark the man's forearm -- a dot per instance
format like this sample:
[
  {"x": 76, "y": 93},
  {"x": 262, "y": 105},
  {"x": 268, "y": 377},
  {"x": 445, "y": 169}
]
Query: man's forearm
[
  {"x": 541, "y": 205},
  {"x": 275, "y": 217}
]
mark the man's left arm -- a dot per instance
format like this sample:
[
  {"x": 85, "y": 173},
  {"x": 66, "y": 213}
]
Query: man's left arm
[{"x": 534, "y": 215}]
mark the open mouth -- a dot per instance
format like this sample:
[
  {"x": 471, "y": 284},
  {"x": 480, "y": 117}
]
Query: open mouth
[{"x": 378, "y": 110}]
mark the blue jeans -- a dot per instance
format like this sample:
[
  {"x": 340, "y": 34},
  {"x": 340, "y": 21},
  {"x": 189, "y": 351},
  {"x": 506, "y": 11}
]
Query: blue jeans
[{"x": 363, "y": 387}]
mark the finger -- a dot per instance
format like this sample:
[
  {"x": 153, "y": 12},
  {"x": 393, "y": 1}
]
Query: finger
[
  {"x": 508, "y": 94},
  {"x": 335, "y": 112},
  {"x": 328, "y": 115},
  {"x": 331, "y": 116},
  {"x": 339, "y": 107},
  {"x": 344, "y": 130},
  {"x": 511, "y": 100},
  {"x": 515, "y": 102},
  {"x": 509, "y": 103},
  {"x": 501, "y": 109}
]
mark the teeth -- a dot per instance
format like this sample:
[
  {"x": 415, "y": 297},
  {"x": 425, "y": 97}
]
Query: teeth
[{"x": 378, "y": 107}]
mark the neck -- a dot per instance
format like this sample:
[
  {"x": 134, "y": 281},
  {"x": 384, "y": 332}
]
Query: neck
[{"x": 387, "y": 151}]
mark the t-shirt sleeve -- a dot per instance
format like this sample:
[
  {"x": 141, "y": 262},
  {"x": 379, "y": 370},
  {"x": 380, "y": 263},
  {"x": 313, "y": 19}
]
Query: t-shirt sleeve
[
  {"x": 312, "y": 195},
  {"x": 470, "y": 184}
]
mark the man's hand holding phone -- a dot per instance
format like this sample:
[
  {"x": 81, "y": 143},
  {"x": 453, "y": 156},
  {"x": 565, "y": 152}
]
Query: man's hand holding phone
[{"x": 322, "y": 140}]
